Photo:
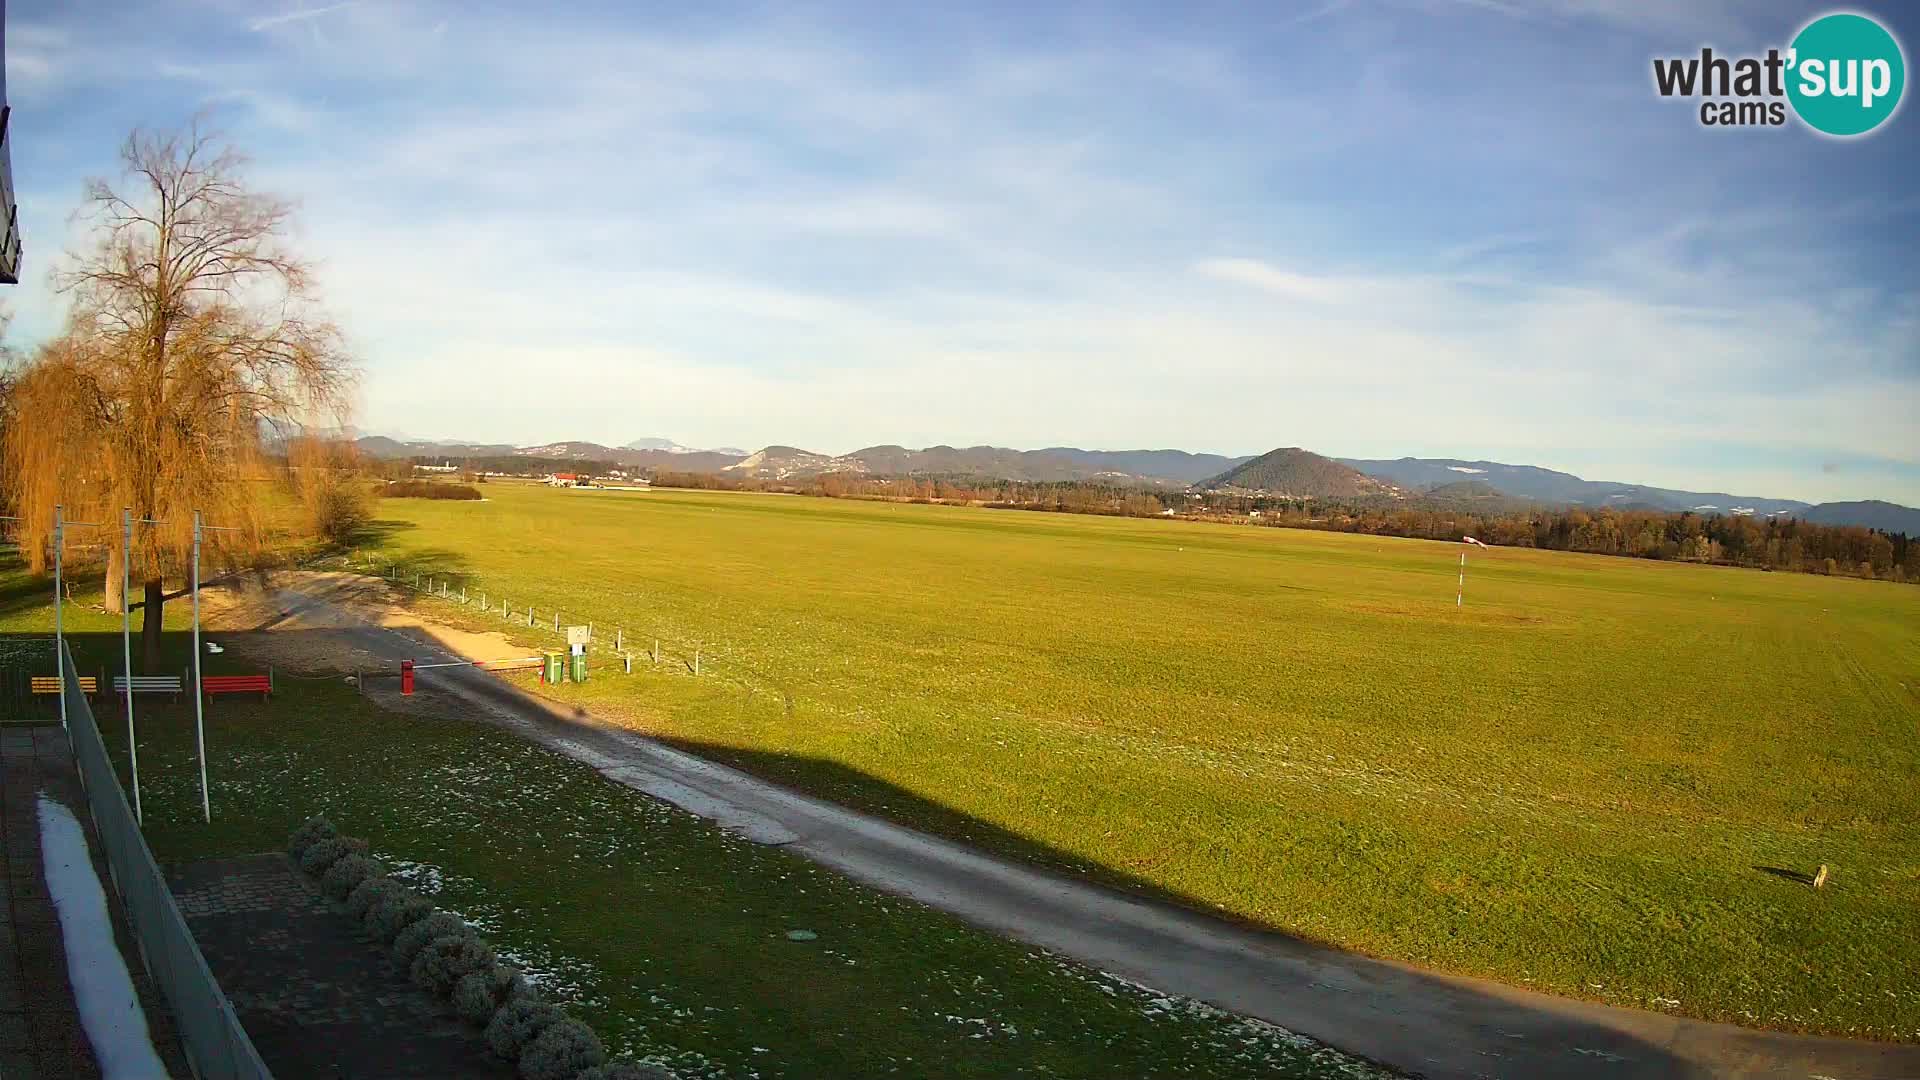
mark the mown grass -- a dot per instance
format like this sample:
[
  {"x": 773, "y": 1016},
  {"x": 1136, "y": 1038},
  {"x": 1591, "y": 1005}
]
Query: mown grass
[
  {"x": 1582, "y": 781},
  {"x": 669, "y": 936}
]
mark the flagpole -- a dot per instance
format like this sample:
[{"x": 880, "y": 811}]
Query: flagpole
[
  {"x": 126, "y": 649},
  {"x": 199, "y": 707},
  {"x": 59, "y": 630}
]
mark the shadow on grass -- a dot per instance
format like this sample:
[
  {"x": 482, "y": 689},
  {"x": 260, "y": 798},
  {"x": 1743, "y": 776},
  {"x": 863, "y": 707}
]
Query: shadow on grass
[{"x": 1791, "y": 875}]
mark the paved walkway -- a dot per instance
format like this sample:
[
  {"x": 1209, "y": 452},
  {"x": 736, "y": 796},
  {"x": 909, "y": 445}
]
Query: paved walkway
[
  {"x": 318, "y": 1000},
  {"x": 1420, "y": 1022},
  {"x": 40, "y": 1032}
]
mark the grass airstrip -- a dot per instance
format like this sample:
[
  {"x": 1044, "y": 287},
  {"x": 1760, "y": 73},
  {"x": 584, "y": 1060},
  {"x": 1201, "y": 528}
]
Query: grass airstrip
[
  {"x": 674, "y": 939},
  {"x": 1601, "y": 777}
]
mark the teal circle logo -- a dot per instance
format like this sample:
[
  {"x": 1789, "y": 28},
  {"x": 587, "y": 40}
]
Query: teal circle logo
[{"x": 1845, "y": 74}]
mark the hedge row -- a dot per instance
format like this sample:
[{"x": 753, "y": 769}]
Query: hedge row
[{"x": 445, "y": 955}]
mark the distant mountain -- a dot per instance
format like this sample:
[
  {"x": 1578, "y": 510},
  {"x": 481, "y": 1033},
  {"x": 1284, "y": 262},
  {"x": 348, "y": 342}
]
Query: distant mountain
[
  {"x": 1163, "y": 468},
  {"x": 1871, "y": 513},
  {"x": 1168, "y": 464},
  {"x": 1432, "y": 475},
  {"x": 1299, "y": 473},
  {"x": 381, "y": 446},
  {"x": 670, "y": 447},
  {"x": 1548, "y": 486},
  {"x": 578, "y": 450}
]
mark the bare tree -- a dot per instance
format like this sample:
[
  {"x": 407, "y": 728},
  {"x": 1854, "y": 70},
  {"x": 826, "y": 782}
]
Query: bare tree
[{"x": 193, "y": 328}]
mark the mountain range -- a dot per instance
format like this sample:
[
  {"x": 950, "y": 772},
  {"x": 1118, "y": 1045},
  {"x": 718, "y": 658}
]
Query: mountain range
[{"x": 1289, "y": 471}]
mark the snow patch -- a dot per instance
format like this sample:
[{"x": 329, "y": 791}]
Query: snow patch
[
  {"x": 1465, "y": 469},
  {"x": 109, "y": 1009}
]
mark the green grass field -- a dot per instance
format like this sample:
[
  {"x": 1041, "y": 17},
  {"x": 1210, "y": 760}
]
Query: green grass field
[
  {"x": 1595, "y": 779},
  {"x": 666, "y": 934}
]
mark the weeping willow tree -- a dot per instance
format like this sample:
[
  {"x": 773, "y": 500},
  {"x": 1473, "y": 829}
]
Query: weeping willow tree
[{"x": 193, "y": 333}]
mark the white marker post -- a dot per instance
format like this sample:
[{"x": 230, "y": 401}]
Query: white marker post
[
  {"x": 126, "y": 649},
  {"x": 1459, "y": 596},
  {"x": 199, "y": 704}
]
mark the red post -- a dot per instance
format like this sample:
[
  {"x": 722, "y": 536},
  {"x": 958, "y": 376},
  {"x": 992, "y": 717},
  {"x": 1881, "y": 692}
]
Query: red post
[{"x": 406, "y": 676}]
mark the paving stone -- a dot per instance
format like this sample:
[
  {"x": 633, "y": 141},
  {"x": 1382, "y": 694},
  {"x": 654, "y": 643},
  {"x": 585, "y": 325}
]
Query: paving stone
[{"x": 316, "y": 997}]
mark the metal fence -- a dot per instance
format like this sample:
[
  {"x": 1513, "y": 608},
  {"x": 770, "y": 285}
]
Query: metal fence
[{"x": 216, "y": 1045}]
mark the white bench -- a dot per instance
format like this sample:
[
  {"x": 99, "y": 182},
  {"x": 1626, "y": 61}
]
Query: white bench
[{"x": 151, "y": 684}]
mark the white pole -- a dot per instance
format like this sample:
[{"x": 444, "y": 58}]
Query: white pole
[
  {"x": 126, "y": 650},
  {"x": 59, "y": 631},
  {"x": 199, "y": 705},
  {"x": 1461, "y": 588}
]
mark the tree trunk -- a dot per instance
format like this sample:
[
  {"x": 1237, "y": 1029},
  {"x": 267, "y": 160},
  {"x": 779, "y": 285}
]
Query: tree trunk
[
  {"x": 113, "y": 594},
  {"x": 150, "y": 618}
]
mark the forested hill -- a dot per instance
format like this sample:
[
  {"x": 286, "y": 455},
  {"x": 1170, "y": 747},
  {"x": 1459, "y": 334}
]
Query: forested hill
[{"x": 1298, "y": 473}]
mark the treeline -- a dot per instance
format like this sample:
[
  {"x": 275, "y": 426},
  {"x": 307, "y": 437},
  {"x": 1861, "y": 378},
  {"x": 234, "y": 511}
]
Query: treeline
[
  {"x": 509, "y": 464},
  {"x": 1769, "y": 543}
]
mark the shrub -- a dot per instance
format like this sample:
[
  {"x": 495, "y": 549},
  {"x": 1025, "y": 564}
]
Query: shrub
[
  {"x": 346, "y": 872},
  {"x": 516, "y": 1023},
  {"x": 322, "y": 854},
  {"x": 428, "y": 489},
  {"x": 408, "y": 943},
  {"x": 394, "y": 912},
  {"x": 561, "y": 1050},
  {"x": 312, "y": 830},
  {"x": 369, "y": 892},
  {"x": 449, "y": 959},
  {"x": 625, "y": 1069},
  {"x": 477, "y": 994}
]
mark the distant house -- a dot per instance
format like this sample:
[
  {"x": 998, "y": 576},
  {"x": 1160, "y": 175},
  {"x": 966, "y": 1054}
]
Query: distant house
[{"x": 563, "y": 479}]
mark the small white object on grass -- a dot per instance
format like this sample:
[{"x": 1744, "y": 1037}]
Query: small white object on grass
[
  {"x": 801, "y": 935},
  {"x": 1820, "y": 879}
]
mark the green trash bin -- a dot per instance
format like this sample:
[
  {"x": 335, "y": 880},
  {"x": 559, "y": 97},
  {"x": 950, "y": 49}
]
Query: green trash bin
[
  {"x": 555, "y": 668},
  {"x": 580, "y": 666}
]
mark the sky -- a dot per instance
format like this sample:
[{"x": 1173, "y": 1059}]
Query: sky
[{"x": 1372, "y": 228}]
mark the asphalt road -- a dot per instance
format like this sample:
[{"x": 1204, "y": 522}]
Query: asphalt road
[{"x": 1414, "y": 1021}]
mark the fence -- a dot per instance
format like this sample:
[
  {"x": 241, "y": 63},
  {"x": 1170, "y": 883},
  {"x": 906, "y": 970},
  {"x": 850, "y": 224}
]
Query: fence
[{"x": 216, "y": 1045}]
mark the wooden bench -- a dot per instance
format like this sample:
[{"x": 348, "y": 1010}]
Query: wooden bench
[
  {"x": 50, "y": 684},
  {"x": 238, "y": 684},
  {"x": 151, "y": 684}
]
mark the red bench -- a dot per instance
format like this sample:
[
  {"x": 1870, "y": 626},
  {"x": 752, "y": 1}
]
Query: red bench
[{"x": 237, "y": 684}]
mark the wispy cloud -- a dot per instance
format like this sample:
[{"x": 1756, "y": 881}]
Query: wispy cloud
[{"x": 266, "y": 22}]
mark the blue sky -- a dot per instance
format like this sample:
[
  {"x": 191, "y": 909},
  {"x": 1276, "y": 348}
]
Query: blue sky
[{"x": 1372, "y": 228}]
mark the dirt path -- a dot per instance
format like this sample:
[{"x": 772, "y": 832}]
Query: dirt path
[{"x": 1419, "y": 1022}]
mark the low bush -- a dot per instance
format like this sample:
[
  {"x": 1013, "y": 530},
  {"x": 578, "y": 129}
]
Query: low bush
[
  {"x": 477, "y": 994},
  {"x": 408, "y": 943},
  {"x": 518, "y": 1023},
  {"x": 428, "y": 489},
  {"x": 394, "y": 912},
  {"x": 449, "y": 959},
  {"x": 322, "y": 854},
  {"x": 561, "y": 1050},
  {"x": 625, "y": 1069},
  {"x": 347, "y": 872},
  {"x": 369, "y": 892},
  {"x": 312, "y": 830}
]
